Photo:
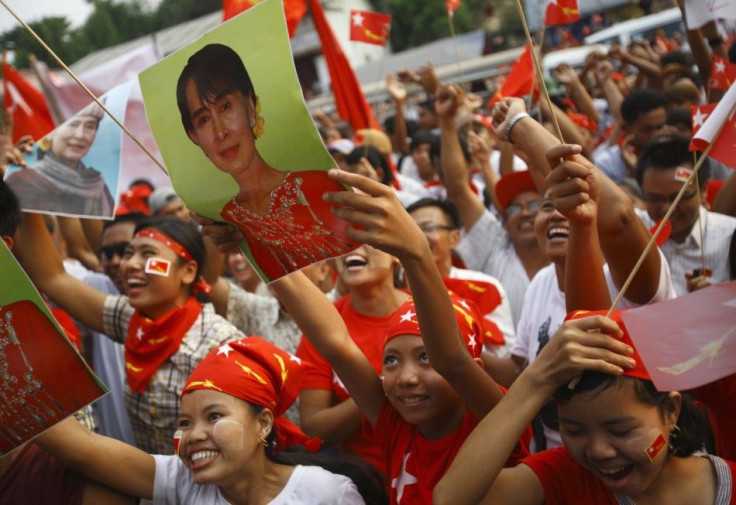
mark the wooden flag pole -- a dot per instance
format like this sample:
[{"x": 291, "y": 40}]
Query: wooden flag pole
[
  {"x": 85, "y": 88},
  {"x": 454, "y": 43}
]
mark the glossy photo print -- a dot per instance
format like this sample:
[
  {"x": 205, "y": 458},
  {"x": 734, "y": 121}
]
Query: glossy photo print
[
  {"x": 43, "y": 379},
  {"x": 239, "y": 144},
  {"x": 74, "y": 170}
]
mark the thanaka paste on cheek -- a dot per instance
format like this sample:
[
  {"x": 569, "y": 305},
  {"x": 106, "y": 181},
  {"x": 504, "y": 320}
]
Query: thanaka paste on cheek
[
  {"x": 177, "y": 440},
  {"x": 229, "y": 434},
  {"x": 158, "y": 266}
]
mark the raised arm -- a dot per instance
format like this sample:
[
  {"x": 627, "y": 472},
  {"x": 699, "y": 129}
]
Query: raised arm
[
  {"x": 102, "y": 459},
  {"x": 454, "y": 167},
  {"x": 476, "y": 475},
  {"x": 322, "y": 325},
  {"x": 37, "y": 254},
  {"x": 77, "y": 243},
  {"x": 622, "y": 234},
  {"x": 379, "y": 219},
  {"x": 576, "y": 91},
  {"x": 398, "y": 93}
]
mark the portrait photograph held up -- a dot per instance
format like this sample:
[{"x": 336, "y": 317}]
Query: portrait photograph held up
[{"x": 247, "y": 152}]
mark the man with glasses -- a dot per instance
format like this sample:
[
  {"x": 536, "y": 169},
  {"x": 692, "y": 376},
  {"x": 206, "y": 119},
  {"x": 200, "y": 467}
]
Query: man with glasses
[
  {"x": 440, "y": 223},
  {"x": 663, "y": 169}
]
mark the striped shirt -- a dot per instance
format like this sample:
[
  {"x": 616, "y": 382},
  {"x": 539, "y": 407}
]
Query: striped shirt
[{"x": 153, "y": 413}]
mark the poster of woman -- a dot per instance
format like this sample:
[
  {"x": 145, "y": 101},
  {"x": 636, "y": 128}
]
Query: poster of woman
[
  {"x": 43, "y": 379},
  {"x": 74, "y": 170},
  {"x": 246, "y": 151}
]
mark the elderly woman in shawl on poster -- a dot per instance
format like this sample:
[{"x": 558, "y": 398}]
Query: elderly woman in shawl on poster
[
  {"x": 281, "y": 214},
  {"x": 60, "y": 182}
]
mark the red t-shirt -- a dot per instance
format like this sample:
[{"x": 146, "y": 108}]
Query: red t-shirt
[
  {"x": 415, "y": 463},
  {"x": 566, "y": 482},
  {"x": 368, "y": 333},
  {"x": 38, "y": 477},
  {"x": 720, "y": 399}
]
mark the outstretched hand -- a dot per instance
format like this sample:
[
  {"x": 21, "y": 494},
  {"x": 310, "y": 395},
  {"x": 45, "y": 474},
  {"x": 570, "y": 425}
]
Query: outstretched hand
[
  {"x": 572, "y": 185},
  {"x": 448, "y": 101},
  {"x": 503, "y": 111},
  {"x": 588, "y": 343},
  {"x": 376, "y": 216}
]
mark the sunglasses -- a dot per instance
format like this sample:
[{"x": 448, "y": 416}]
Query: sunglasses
[{"x": 109, "y": 251}]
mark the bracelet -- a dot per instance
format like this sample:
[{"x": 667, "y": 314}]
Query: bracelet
[
  {"x": 715, "y": 41},
  {"x": 512, "y": 123}
]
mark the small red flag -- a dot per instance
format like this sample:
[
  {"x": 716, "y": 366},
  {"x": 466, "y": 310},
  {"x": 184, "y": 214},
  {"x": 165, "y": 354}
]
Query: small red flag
[
  {"x": 452, "y": 6},
  {"x": 722, "y": 74},
  {"x": 707, "y": 119},
  {"x": 369, "y": 27},
  {"x": 27, "y": 105},
  {"x": 653, "y": 450},
  {"x": 293, "y": 9},
  {"x": 520, "y": 79},
  {"x": 561, "y": 12},
  {"x": 158, "y": 266}
]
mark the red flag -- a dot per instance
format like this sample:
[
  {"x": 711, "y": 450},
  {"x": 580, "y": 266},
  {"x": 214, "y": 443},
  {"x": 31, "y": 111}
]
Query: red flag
[
  {"x": 520, "y": 79},
  {"x": 487, "y": 298},
  {"x": 722, "y": 74},
  {"x": 707, "y": 120},
  {"x": 351, "y": 103},
  {"x": 452, "y": 6},
  {"x": 293, "y": 9},
  {"x": 31, "y": 115},
  {"x": 370, "y": 27},
  {"x": 561, "y": 12}
]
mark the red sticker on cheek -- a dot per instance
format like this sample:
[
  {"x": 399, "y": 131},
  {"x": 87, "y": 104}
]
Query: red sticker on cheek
[
  {"x": 158, "y": 266},
  {"x": 653, "y": 450},
  {"x": 177, "y": 439}
]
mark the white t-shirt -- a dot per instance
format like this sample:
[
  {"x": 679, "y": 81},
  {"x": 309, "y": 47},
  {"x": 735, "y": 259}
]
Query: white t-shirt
[
  {"x": 308, "y": 485},
  {"x": 544, "y": 312}
]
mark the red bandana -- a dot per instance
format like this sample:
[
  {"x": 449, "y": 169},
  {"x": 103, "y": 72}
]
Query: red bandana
[
  {"x": 404, "y": 322},
  {"x": 639, "y": 371},
  {"x": 258, "y": 372},
  {"x": 151, "y": 342}
]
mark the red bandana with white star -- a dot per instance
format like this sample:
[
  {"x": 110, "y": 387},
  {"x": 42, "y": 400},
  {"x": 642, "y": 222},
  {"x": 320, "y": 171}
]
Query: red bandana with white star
[
  {"x": 150, "y": 342},
  {"x": 258, "y": 372},
  {"x": 404, "y": 322}
]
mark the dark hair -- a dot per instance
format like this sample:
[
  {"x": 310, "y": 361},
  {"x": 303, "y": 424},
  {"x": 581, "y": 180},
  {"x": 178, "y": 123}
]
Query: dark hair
[
  {"x": 680, "y": 116},
  {"x": 389, "y": 125},
  {"x": 141, "y": 182},
  {"x": 133, "y": 217},
  {"x": 446, "y": 206},
  {"x": 420, "y": 138},
  {"x": 369, "y": 481},
  {"x": 9, "y": 211},
  {"x": 216, "y": 70},
  {"x": 639, "y": 102},
  {"x": 667, "y": 151},
  {"x": 732, "y": 256},
  {"x": 184, "y": 233},
  {"x": 435, "y": 149},
  {"x": 375, "y": 158},
  {"x": 676, "y": 57},
  {"x": 695, "y": 430}
]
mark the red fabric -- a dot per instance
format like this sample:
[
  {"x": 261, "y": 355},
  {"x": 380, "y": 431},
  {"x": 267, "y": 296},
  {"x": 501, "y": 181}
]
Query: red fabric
[
  {"x": 719, "y": 397},
  {"x": 134, "y": 200},
  {"x": 166, "y": 240},
  {"x": 30, "y": 112},
  {"x": 351, "y": 103},
  {"x": 714, "y": 186},
  {"x": 415, "y": 463},
  {"x": 258, "y": 372},
  {"x": 486, "y": 298},
  {"x": 404, "y": 322},
  {"x": 722, "y": 149},
  {"x": 722, "y": 73},
  {"x": 639, "y": 371},
  {"x": 69, "y": 326},
  {"x": 150, "y": 342},
  {"x": 520, "y": 79},
  {"x": 294, "y": 10},
  {"x": 370, "y": 27},
  {"x": 583, "y": 121},
  {"x": 452, "y": 6},
  {"x": 511, "y": 185},
  {"x": 561, "y": 12},
  {"x": 368, "y": 333},
  {"x": 37, "y": 477}
]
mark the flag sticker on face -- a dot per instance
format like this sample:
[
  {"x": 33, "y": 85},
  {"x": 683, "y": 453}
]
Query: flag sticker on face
[
  {"x": 653, "y": 450},
  {"x": 683, "y": 174},
  {"x": 177, "y": 439},
  {"x": 158, "y": 266}
]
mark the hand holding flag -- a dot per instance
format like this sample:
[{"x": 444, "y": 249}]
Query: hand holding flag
[{"x": 369, "y": 27}]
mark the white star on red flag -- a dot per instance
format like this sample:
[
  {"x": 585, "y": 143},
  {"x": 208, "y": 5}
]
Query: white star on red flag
[
  {"x": 139, "y": 333},
  {"x": 295, "y": 358},
  {"x": 720, "y": 66},
  {"x": 225, "y": 349},
  {"x": 699, "y": 118},
  {"x": 358, "y": 19}
]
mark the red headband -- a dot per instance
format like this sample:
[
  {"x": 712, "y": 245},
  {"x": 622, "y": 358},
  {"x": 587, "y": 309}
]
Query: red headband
[
  {"x": 404, "y": 322},
  {"x": 166, "y": 240},
  {"x": 639, "y": 371},
  {"x": 258, "y": 372}
]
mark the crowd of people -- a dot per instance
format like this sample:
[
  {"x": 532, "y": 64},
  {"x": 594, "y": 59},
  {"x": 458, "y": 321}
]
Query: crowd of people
[{"x": 460, "y": 354}]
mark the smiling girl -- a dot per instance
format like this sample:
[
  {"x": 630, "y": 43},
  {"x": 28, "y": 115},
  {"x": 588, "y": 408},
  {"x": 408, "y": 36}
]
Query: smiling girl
[{"x": 165, "y": 325}]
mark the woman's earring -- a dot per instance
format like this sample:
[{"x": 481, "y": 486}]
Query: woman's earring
[
  {"x": 257, "y": 121},
  {"x": 674, "y": 435},
  {"x": 263, "y": 440},
  {"x": 252, "y": 121}
]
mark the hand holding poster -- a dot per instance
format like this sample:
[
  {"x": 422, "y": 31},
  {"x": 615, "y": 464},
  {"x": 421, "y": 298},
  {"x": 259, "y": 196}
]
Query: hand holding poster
[
  {"x": 247, "y": 152},
  {"x": 43, "y": 379},
  {"x": 74, "y": 170}
]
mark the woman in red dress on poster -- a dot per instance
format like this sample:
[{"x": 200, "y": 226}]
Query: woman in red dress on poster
[{"x": 281, "y": 214}]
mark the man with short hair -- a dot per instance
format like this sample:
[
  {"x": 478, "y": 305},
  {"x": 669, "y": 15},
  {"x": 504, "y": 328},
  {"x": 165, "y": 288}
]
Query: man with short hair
[
  {"x": 663, "y": 169},
  {"x": 165, "y": 202}
]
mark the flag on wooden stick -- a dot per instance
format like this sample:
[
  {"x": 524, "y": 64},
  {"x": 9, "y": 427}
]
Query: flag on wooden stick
[
  {"x": 28, "y": 108},
  {"x": 370, "y": 27},
  {"x": 718, "y": 128}
]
